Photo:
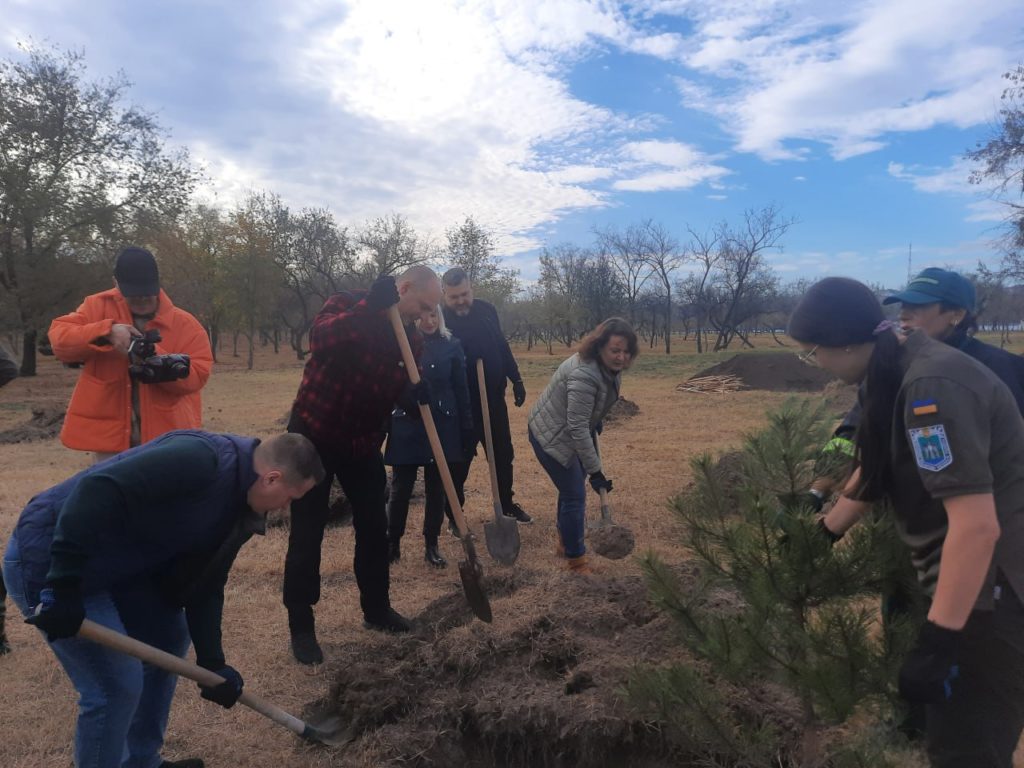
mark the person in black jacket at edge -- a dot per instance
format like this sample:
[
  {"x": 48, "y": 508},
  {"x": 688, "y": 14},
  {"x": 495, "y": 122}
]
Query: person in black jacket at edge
[
  {"x": 8, "y": 373},
  {"x": 475, "y": 323},
  {"x": 142, "y": 543}
]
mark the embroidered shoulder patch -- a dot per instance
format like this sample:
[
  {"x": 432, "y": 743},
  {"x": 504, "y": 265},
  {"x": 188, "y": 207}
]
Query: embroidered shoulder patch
[
  {"x": 924, "y": 407},
  {"x": 931, "y": 448}
]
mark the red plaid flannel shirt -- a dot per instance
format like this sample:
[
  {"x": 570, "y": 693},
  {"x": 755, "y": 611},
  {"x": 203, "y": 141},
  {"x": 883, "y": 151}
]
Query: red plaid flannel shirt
[{"x": 353, "y": 377}]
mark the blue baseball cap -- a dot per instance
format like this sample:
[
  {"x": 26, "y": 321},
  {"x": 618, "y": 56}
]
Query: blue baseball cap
[{"x": 933, "y": 285}]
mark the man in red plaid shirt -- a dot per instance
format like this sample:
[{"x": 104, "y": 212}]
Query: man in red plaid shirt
[{"x": 352, "y": 381}]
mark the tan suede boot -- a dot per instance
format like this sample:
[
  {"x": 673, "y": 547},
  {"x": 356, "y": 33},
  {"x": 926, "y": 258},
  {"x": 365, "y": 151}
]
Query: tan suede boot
[{"x": 580, "y": 565}]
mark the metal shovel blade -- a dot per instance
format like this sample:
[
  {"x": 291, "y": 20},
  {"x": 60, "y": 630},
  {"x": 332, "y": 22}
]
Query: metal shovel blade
[
  {"x": 472, "y": 586},
  {"x": 609, "y": 539},
  {"x": 502, "y": 535},
  {"x": 330, "y": 732}
]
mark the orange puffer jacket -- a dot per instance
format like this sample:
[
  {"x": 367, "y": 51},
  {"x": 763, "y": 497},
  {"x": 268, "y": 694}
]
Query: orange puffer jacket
[{"x": 99, "y": 416}]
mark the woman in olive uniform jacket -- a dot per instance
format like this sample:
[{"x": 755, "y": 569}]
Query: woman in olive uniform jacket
[{"x": 942, "y": 438}]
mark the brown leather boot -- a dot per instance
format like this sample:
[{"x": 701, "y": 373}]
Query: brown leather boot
[{"x": 580, "y": 565}]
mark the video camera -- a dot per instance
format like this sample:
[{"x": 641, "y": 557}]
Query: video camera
[{"x": 147, "y": 367}]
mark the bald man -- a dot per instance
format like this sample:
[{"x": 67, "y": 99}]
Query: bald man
[{"x": 352, "y": 381}]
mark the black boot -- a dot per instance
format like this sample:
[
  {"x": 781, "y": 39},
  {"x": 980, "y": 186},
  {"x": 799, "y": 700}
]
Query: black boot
[
  {"x": 305, "y": 648},
  {"x": 390, "y": 621},
  {"x": 394, "y": 550},
  {"x": 432, "y": 556}
]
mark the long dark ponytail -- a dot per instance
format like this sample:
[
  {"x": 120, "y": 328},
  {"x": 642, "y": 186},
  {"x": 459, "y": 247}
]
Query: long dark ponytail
[{"x": 874, "y": 433}]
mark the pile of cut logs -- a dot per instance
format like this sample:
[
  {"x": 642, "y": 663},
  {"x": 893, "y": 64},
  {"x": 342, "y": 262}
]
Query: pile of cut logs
[{"x": 712, "y": 384}]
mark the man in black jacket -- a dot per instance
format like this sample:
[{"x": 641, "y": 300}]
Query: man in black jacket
[{"x": 475, "y": 323}]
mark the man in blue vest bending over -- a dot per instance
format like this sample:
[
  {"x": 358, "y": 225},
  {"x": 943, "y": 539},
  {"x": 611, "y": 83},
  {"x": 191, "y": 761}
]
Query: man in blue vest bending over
[{"x": 142, "y": 543}]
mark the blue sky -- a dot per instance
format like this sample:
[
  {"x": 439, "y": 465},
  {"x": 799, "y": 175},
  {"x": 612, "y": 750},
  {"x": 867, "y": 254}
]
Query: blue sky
[{"x": 544, "y": 119}]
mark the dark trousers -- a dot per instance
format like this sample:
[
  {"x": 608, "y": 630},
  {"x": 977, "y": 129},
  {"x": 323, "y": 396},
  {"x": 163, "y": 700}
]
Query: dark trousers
[
  {"x": 3, "y": 615},
  {"x": 501, "y": 434},
  {"x": 364, "y": 481},
  {"x": 403, "y": 477},
  {"x": 980, "y": 725}
]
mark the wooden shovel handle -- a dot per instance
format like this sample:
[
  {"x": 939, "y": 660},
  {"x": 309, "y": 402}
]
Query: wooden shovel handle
[
  {"x": 428, "y": 423},
  {"x": 485, "y": 414},
  {"x": 116, "y": 641}
]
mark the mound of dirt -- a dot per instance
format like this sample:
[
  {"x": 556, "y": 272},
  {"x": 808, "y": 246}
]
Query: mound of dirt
[
  {"x": 613, "y": 541},
  {"x": 622, "y": 410},
  {"x": 45, "y": 424},
  {"x": 772, "y": 371},
  {"x": 542, "y": 688}
]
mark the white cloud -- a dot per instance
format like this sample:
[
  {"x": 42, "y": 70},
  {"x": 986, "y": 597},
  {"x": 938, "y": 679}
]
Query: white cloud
[
  {"x": 846, "y": 74},
  {"x": 954, "y": 180},
  {"x": 664, "y": 165}
]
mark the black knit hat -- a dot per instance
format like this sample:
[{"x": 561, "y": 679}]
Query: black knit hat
[
  {"x": 836, "y": 312},
  {"x": 136, "y": 273}
]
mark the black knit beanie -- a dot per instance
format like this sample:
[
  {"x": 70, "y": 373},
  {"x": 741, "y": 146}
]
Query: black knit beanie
[{"x": 836, "y": 312}]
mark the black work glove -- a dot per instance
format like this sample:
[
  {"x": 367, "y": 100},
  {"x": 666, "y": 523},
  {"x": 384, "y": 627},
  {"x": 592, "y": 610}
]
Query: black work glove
[
  {"x": 421, "y": 392},
  {"x": 227, "y": 693},
  {"x": 518, "y": 393},
  {"x": 930, "y": 669},
  {"x": 60, "y": 612},
  {"x": 599, "y": 481},
  {"x": 383, "y": 293}
]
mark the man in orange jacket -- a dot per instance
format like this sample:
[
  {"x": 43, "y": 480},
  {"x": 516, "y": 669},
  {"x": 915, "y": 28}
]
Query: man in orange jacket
[{"x": 135, "y": 384}]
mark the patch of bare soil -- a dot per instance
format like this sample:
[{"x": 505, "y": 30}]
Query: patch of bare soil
[
  {"x": 622, "y": 410},
  {"x": 46, "y": 422},
  {"x": 612, "y": 541},
  {"x": 544, "y": 692},
  {"x": 772, "y": 371}
]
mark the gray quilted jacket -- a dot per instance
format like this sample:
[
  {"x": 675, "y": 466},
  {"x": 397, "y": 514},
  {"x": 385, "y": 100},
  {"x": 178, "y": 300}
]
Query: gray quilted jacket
[{"x": 565, "y": 416}]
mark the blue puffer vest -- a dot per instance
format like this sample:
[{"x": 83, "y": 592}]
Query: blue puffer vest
[{"x": 127, "y": 554}]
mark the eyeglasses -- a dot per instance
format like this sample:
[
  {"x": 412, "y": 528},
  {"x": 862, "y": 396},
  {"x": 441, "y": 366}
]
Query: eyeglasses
[{"x": 809, "y": 356}]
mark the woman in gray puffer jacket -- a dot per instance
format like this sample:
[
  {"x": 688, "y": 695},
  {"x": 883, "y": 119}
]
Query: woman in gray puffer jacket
[{"x": 566, "y": 419}]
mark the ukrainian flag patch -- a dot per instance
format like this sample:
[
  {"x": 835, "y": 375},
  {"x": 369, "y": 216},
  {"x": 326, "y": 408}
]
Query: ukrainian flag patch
[{"x": 924, "y": 407}]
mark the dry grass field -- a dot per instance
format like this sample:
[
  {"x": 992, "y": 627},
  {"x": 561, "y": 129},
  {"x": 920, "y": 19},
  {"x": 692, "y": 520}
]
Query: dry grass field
[{"x": 646, "y": 455}]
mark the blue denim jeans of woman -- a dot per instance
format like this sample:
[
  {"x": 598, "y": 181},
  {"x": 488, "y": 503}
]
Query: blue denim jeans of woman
[
  {"x": 123, "y": 704},
  {"x": 571, "y": 483}
]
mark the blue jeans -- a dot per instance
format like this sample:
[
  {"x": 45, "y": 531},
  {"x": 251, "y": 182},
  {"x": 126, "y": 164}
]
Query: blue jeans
[
  {"x": 123, "y": 704},
  {"x": 571, "y": 483}
]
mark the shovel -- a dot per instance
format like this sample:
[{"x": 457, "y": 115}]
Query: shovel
[
  {"x": 608, "y": 539},
  {"x": 470, "y": 570},
  {"x": 502, "y": 533},
  {"x": 328, "y": 733}
]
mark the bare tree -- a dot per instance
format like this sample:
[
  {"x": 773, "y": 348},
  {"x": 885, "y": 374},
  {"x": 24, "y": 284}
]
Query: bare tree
[
  {"x": 627, "y": 253},
  {"x": 390, "y": 246},
  {"x": 79, "y": 174},
  {"x": 471, "y": 247},
  {"x": 319, "y": 262},
  {"x": 743, "y": 273},
  {"x": 1001, "y": 161},
  {"x": 663, "y": 255},
  {"x": 704, "y": 250}
]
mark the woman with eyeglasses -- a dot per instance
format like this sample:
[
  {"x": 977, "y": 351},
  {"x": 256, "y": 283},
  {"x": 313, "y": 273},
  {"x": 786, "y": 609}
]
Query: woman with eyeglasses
[
  {"x": 940, "y": 303},
  {"x": 941, "y": 438}
]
